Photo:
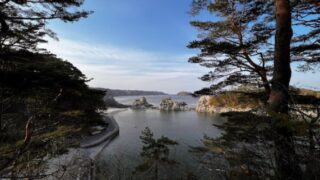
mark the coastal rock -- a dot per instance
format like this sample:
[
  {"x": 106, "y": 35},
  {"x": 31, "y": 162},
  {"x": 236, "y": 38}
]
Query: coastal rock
[
  {"x": 111, "y": 102},
  {"x": 141, "y": 104},
  {"x": 203, "y": 105},
  {"x": 76, "y": 164},
  {"x": 168, "y": 104}
]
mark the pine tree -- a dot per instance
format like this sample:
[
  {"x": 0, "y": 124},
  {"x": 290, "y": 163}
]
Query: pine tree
[
  {"x": 155, "y": 152},
  {"x": 236, "y": 45},
  {"x": 305, "y": 47},
  {"x": 24, "y": 22},
  {"x": 239, "y": 44}
]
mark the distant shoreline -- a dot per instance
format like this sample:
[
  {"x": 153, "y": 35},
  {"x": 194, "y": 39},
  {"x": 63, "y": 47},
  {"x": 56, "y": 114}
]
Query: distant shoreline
[{"x": 118, "y": 92}]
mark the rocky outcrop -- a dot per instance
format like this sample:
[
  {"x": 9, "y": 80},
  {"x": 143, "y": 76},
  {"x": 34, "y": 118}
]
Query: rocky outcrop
[
  {"x": 111, "y": 102},
  {"x": 141, "y": 104},
  {"x": 203, "y": 105},
  {"x": 76, "y": 164},
  {"x": 169, "y": 105}
]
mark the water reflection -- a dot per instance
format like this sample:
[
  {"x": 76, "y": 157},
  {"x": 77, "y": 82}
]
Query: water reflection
[{"x": 187, "y": 128}]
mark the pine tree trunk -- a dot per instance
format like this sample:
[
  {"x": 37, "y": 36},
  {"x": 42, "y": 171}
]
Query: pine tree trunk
[
  {"x": 278, "y": 99},
  {"x": 4, "y": 26},
  {"x": 156, "y": 172},
  {"x": 285, "y": 155}
]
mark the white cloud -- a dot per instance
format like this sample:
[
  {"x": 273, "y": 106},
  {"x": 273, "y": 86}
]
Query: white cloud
[{"x": 128, "y": 68}]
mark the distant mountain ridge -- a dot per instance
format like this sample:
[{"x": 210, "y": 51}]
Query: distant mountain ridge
[
  {"x": 184, "y": 93},
  {"x": 118, "y": 92}
]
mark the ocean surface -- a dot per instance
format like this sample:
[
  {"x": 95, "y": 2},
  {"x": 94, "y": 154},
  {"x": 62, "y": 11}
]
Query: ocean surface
[{"x": 119, "y": 159}]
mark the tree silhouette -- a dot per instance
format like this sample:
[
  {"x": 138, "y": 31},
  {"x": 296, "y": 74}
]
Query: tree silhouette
[
  {"x": 155, "y": 153},
  {"x": 239, "y": 44},
  {"x": 305, "y": 47},
  {"x": 285, "y": 154},
  {"x": 236, "y": 45},
  {"x": 24, "y": 22}
]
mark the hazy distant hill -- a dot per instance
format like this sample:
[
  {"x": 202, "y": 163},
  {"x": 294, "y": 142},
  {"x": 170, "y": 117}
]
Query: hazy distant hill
[
  {"x": 117, "y": 92},
  {"x": 184, "y": 93}
]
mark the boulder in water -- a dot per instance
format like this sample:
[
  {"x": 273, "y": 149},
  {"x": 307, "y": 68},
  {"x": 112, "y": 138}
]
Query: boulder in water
[
  {"x": 168, "y": 104},
  {"x": 141, "y": 104}
]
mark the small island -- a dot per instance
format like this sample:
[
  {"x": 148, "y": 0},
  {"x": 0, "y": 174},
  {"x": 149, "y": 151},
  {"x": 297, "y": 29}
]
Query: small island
[{"x": 184, "y": 93}]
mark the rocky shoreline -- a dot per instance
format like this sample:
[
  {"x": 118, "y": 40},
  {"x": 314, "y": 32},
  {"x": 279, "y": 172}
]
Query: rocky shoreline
[
  {"x": 203, "y": 106},
  {"x": 79, "y": 163},
  {"x": 107, "y": 134}
]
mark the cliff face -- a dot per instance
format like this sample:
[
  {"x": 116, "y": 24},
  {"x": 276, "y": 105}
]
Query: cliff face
[
  {"x": 206, "y": 105},
  {"x": 203, "y": 104}
]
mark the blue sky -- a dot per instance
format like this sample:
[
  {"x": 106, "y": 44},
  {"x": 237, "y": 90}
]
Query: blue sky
[{"x": 137, "y": 44}]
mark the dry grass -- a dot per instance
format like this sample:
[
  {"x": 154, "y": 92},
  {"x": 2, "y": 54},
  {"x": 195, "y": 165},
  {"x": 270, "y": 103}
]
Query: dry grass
[
  {"x": 308, "y": 92},
  {"x": 234, "y": 100},
  {"x": 253, "y": 98}
]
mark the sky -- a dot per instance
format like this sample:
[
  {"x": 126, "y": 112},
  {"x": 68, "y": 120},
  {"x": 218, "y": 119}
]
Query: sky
[{"x": 138, "y": 45}]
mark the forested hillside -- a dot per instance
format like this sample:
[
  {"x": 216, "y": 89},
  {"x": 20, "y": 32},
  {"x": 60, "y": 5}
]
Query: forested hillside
[
  {"x": 45, "y": 103},
  {"x": 118, "y": 92},
  {"x": 45, "y": 106}
]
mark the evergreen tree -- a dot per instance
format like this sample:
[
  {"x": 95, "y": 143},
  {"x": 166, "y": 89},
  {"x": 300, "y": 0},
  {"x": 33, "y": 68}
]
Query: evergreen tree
[
  {"x": 285, "y": 153},
  {"x": 52, "y": 95},
  {"x": 24, "y": 22},
  {"x": 239, "y": 44},
  {"x": 155, "y": 152},
  {"x": 305, "y": 46},
  {"x": 236, "y": 45},
  {"x": 42, "y": 98}
]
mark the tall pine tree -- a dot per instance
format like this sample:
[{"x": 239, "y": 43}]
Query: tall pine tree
[
  {"x": 239, "y": 44},
  {"x": 236, "y": 45}
]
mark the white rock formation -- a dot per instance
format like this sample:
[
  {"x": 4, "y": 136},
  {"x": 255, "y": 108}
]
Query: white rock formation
[
  {"x": 203, "y": 105},
  {"x": 141, "y": 104},
  {"x": 168, "y": 104}
]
